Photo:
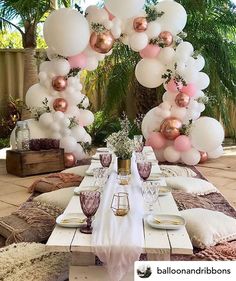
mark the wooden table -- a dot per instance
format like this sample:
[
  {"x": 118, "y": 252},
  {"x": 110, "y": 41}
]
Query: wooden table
[{"x": 158, "y": 245}]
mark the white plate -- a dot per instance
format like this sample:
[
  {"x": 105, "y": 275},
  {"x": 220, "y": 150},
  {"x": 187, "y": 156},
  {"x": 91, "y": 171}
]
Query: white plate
[
  {"x": 163, "y": 190},
  {"x": 103, "y": 149},
  {"x": 71, "y": 220},
  {"x": 79, "y": 189},
  {"x": 166, "y": 221}
]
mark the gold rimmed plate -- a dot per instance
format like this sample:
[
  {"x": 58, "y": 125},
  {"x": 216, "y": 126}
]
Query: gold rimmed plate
[
  {"x": 71, "y": 220},
  {"x": 165, "y": 221}
]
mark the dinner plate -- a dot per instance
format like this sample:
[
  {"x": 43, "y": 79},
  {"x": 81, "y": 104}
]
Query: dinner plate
[
  {"x": 79, "y": 189},
  {"x": 165, "y": 221},
  {"x": 103, "y": 149},
  {"x": 71, "y": 220}
]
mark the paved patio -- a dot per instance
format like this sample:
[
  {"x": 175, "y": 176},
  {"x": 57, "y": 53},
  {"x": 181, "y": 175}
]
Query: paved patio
[{"x": 221, "y": 172}]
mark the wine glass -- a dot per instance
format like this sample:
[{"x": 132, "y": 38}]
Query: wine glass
[
  {"x": 105, "y": 159},
  {"x": 89, "y": 201},
  {"x": 150, "y": 191},
  {"x": 138, "y": 143},
  {"x": 144, "y": 169},
  {"x": 100, "y": 176}
]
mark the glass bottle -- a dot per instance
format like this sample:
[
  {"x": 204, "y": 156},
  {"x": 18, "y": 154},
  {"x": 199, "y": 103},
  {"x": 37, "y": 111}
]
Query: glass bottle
[{"x": 22, "y": 135}]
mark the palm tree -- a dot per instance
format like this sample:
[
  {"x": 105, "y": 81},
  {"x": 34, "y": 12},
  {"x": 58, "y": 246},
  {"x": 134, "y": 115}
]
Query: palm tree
[
  {"x": 24, "y": 16},
  {"x": 211, "y": 28}
]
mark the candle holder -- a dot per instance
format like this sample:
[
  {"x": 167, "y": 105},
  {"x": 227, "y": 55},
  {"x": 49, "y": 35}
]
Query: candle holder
[{"x": 120, "y": 204}]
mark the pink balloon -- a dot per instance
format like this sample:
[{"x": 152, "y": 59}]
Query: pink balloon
[
  {"x": 156, "y": 140},
  {"x": 182, "y": 143},
  {"x": 174, "y": 86},
  {"x": 151, "y": 51},
  {"x": 78, "y": 61},
  {"x": 111, "y": 16},
  {"x": 190, "y": 90}
]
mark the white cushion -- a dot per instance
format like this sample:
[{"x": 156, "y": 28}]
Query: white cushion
[
  {"x": 59, "y": 198},
  {"x": 208, "y": 228},
  {"x": 191, "y": 185},
  {"x": 79, "y": 170}
]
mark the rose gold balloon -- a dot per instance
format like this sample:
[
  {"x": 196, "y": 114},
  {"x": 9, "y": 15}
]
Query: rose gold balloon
[
  {"x": 170, "y": 128},
  {"x": 60, "y": 104},
  {"x": 140, "y": 24},
  {"x": 204, "y": 157},
  {"x": 102, "y": 42},
  {"x": 59, "y": 83},
  {"x": 182, "y": 100},
  {"x": 166, "y": 38},
  {"x": 69, "y": 160}
]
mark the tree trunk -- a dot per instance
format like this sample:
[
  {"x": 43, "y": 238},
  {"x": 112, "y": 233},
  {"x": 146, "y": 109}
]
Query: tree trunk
[
  {"x": 147, "y": 98},
  {"x": 30, "y": 65}
]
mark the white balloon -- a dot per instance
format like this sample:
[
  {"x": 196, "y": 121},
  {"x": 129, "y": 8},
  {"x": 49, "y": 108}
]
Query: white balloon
[
  {"x": 87, "y": 138},
  {"x": 166, "y": 55},
  {"x": 126, "y": 9},
  {"x": 97, "y": 15},
  {"x": 184, "y": 51},
  {"x": 78, "y": 152},
  {"x": 65, "y": 132},
  {"x": 199, "y": 94},
  {"x": 86, "y": 117},
  {"x": 199, "y": 63},
  {"x": 65, "y": 123},
  {"x": 171, "y": 155},
  {"x": 78, "y": 132},
  {"x": 216, "y": 153},
  {"x": 193, "y": 105},
  {"x": 45, "y": 66},
  {"x": 153, "y": 30},
  {"x": 138, "y": 41},
  {"x": 85, "y": 102},
  {"x": 36, "y": 132},
  {"x": 174, "y": 18},
  {"x": 73, "y": 111},
  {"x": 201, "y": 107},
  {"x": 165, "y": 114},
  {"x": 92, "y": 64},
  {"x": 190, "y": 74},
  {"x": 61, "y": 67},
  {"x": 116, "y": 31},
  {"x": 42, "y": 76},
  {"x": 58, "y": 115},
  {"x": 68, "y": 143},
  {"x": 149, "y": 123},
  {"x": 170, "y": 97},
  {"x": 66, "y": 32},
  {"x": 46, "y": 119},
  {"x": 55, "y": 127},
  {"x": 165, "y": 105},
  {"x": 36, "y": 95},
  {"x": 191, "y": 157},
  {"x": 202, "y": 81},
  {"x": 206, "y": 134},
  {"x": 160, "y": 155},
  {"x": 56, "y": 135},
  {"x": 50, "y": 53},
  {"x": 149, "y": 73},
  {"x": 74, "y": 98},
  {"x": 178, "y": 112}
]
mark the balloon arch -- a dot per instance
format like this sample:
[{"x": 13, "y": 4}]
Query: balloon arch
[{"x": 76, "y": 42}]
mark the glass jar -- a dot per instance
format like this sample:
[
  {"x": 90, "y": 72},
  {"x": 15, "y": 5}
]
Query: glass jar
[{"x": 22, "y": 135}]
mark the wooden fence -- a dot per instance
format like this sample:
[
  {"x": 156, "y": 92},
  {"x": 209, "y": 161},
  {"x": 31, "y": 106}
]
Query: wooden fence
[{"x": 11, "y": 80}]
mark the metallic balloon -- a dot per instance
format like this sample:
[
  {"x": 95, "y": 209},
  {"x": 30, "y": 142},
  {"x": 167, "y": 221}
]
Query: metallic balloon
[
  {"x": 170, "y": 128},
  {"x": 204, "y": 157},
  {"x": 140, "y": 24},
  {"x": 69, "y": 160},
  {"x": 102, "y": 42},
  {"x": 59, "y": 83},
  {"x": 60, "y": 104},
  {"x": 182, "y": 100},
  {"x": 166, "y": 38}
]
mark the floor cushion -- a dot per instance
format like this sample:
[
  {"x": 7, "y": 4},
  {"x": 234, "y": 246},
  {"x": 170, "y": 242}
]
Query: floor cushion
[
  {"x": 31, "y": 222},
  {"x": 207, "y": 228},
  {"x": 79, "y": 170},
  {"x": 32, "y": 262},
  {"x": 55, "y": 181},
  {"x": 59, "y": 198}
]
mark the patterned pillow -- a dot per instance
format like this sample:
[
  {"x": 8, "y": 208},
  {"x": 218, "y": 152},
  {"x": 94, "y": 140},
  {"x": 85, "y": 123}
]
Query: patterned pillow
[
  {"x": 55, "y": 181},
  {"x": 32, "y": 222}
]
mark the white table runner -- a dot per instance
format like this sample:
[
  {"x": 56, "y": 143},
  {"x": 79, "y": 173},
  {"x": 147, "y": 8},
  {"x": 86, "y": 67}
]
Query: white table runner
[{"x": 118, "y": 241}]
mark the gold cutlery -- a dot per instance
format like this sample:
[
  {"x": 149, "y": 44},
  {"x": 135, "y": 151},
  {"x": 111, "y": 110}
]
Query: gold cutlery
[
  {"x": 168, "y": 222},
  {"x": 73, "y": 220}
]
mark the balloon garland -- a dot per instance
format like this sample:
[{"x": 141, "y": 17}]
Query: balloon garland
[{"x": 76, "y": 42}]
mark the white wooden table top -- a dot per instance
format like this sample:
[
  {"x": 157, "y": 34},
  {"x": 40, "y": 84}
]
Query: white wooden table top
[{"x": 160, "y": 242}]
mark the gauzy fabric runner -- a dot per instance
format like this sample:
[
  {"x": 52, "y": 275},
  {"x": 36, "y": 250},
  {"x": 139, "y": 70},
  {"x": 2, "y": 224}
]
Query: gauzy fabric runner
[{"x": 118, "y": 241}]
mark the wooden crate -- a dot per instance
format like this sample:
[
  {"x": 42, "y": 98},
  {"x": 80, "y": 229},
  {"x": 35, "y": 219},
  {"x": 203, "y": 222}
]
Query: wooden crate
[{"x": 28, "y": 163}]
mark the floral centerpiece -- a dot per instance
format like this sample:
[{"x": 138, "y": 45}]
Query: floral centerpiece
[{"x": 122, "y": 145}]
